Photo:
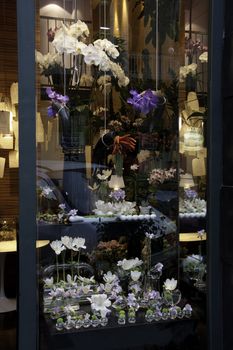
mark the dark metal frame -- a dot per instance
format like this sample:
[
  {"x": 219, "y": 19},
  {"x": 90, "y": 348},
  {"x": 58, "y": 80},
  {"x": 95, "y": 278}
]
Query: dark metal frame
[
  {"x": 27, "y": 300},
  {"x": 216, "y": 16},
  {"x": 27, "y": 296}
]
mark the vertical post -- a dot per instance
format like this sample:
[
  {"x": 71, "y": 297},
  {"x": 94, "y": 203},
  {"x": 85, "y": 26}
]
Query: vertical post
[
  {"x": 27, "y": 297},
  {"x": 216, "y": 16}
]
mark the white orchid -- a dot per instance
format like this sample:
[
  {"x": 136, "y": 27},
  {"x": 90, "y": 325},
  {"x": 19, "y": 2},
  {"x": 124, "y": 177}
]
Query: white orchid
[
  {"x": 118, "y": 72},
  {"x": 47, "y": 60},
  {"x": 107, "y": 46},
  {"x": 100, "y": 302},
  {"x": 134, "y": 167},
  {"x": 78, "y": 243},
  {"x": 49, "y": 282},
  {"x": 185, "y": 70},
  {"x": 170, "y": 284},
  {"x": 109, "y": 277},
  {"x": 104, "y": 83},
  {"x": 94, "y": 55},
  {"x": 86, "y": 80},
  {"x": 135, "y": 275},
  {"x": 204, "y": 57},
  {"x": 63, "y": 42},
  {"x": 143, "y": 155},
  {"x": 77, "y": 29},
  {"x": 57, "y": 246},
  {"x": 79, "y": 48},
  {"x": 72, "y": 212},
  {"x": 67, "y": 241},
  {"x": 129, "y": 264},
  {"x": 105, "y": 175}
]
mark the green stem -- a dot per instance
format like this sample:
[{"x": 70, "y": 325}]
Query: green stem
[
  {"x": 57, "y": 268},
  {"x": 72, "y": 266},
  {"x": 78, "y": 262},
  {"x": 63, "y": 264}
]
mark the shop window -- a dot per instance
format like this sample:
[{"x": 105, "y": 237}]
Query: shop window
[{"x": 121, "y": 149}]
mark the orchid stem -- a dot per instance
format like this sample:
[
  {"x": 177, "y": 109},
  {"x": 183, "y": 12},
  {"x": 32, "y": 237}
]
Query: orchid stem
[
  {"x": 57, "y": 268},
  {"x": 63, "y": 265},
  {"x": 78, "y": 262},
  {"x": 72, "y": 265}
]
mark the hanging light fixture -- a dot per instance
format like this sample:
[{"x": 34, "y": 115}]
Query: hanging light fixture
[
  {"x": 116, "y": 182},
  {"x": 193, "y": 139},
  {"x": 186, "y": 181}
]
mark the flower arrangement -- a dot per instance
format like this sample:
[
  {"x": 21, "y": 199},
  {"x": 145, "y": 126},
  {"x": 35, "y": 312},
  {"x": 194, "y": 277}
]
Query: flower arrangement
[
  {"x": 108, "y": 296},
  {"x": 159, "y": 176}
]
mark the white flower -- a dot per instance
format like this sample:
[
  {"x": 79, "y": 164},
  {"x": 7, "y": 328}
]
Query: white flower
[
  {"x": 47, "y": 60},
  {"x": 78, "y": 243},
  {"x": 64, "y": 43},
  {"x": 143, "y": 155},
  {"x": 185, "y": 70},
  {"x": 49, "y": 282},
  {"x": 94, "y": 188},
  {"x": 118, "y": 208},
  {"x": 109, "y": 277},
  {"x": 104, "y": 83},
  {"x": 100, "y": 302},
  {"x": 134, "y": 167},
  {"x": 80, "y": 47},
  {"x": 70, "y": 280},
  {"x": 118, "y": 72},
  {"x": 105, "y": 174},
  {"x": 57, "y": 246},
  {"x": 129, "y": 264},
  {"x": 68, "y": 309},
  {"x": 93, "y": 55},
  {"x": 86, "y": 280},
  {"x": 107, "y": 46},
  {"x": 204, "y": 57},
  {"x": 135, "y": 275},
  {"x": 86, "y": 80},
  {"x": 46, "y": 191},
  {"x": 85, "y": 288},
  {"x": 73, "y": 212},
  {"x": 67, "y": 241},
  {"x": 78, "y": 29},
  {"x": 62, "y": 206},
  {"x": 170, "y": 284}
]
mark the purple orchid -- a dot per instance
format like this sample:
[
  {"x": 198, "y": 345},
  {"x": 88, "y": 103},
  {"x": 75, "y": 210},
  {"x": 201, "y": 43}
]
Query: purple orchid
[
  {"x": 55, "y": 98},
  {"x": 144, "y": 102}
]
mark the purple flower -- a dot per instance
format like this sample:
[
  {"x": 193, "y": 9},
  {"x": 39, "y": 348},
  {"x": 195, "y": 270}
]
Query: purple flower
[
  {"x": 143, "y": 102},
  {"x": 117, "y": 194},
  {"x": 56, "y": 97},
  {"x": 191, "y": 194},
  {"x": 51, "y": 112}
]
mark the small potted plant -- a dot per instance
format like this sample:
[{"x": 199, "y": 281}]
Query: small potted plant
[
  {"x": 79, "y": 321},
  {"x": 60, "y": 324},
  {"x": 94, "y": 320},
  {"x": 131, "y": 315},
  {"x": 165, "y": 313},
  {"x": 149, "y": 316},
  {"x": 121, "y": 317}
]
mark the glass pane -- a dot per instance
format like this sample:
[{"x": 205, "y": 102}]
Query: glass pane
[
  {"x": 9, "y": 208},
  {"x": 120, "y": 140}
]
